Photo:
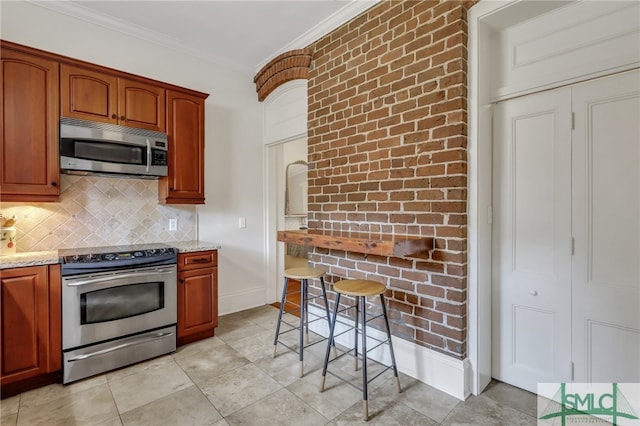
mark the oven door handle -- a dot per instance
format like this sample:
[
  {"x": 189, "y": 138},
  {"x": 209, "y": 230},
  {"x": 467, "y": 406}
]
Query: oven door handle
[
  {"x": 138, "y": 341},
  {"x": 71, "y": 283}
]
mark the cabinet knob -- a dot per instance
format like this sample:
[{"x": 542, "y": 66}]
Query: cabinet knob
[
  {"x": 122, "y": 117},
  {"x": 181, "y": 281},
  {"x": 114, "y": 116},
  {"x": 170, "y": 189},
  {"x": 54, "y": 184}
]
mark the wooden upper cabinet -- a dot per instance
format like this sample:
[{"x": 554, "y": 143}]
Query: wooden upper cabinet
[
  {"x": 185, "y": 128},
  {"x": 29, "y": 131},
  {"x": 88, "y": 95},
  {"x": 141, "y": 105},
  {"x": 96, "y": 96}
]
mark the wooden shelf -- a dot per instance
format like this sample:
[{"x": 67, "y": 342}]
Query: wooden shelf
[{"x": 360, "y": 242}]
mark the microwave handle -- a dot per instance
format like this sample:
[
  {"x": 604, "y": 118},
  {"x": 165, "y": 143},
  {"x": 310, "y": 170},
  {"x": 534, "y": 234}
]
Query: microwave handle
[{"x": 148, "y": 155}]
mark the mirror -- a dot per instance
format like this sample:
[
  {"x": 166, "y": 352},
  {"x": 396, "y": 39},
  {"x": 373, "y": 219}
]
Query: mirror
[{"x": 295, "y": 197}]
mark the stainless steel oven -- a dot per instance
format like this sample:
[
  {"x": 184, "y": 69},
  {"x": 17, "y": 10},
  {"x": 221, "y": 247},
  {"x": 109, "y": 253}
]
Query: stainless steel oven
[{"x": 119, "y": 307}]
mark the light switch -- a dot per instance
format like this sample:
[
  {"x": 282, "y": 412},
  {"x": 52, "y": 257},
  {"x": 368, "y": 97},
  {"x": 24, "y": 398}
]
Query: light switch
[
  {"x": 173, "y": 224},
  {"x": 242, "y": 222}
]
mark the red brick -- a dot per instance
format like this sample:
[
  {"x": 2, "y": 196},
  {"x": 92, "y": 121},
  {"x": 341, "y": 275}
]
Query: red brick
[
  {"x": 416, "y": 322},
  {"x": 450, "y": 308},
  {"x": 430, "y": 290},
  {"x": 429, "y": 338},
  {"x": 452, "y": 333},
  {"x": 443, "y": 280},
  {"x": 429, "y": 314}
]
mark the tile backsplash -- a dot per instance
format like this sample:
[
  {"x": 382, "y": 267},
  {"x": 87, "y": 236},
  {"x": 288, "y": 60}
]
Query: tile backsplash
[{"x": 100, "y": 211}]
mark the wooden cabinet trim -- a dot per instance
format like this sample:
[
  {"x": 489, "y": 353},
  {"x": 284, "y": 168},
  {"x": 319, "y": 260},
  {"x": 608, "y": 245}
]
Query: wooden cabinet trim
[{"x": 4, "y": 44}]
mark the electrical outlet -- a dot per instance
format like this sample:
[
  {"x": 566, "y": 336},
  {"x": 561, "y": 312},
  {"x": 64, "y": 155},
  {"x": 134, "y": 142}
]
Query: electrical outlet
[
  {"x": 173, "y": 224},
  {"x": 242, "y": 222}
]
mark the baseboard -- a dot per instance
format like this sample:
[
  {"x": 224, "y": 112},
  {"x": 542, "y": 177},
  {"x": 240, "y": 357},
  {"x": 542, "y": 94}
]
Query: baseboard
[
  {"x": 450, "y": 375},
  {"x": 241, "y": 300}
]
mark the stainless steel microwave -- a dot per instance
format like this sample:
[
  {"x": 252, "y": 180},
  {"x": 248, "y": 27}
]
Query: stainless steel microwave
[{"x": 106, "y": 149}]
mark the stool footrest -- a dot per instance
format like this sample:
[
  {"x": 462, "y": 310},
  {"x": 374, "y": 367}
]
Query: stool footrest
[
  {"x": 295, "y": 349},
  {"x": 342, "y": 379}
]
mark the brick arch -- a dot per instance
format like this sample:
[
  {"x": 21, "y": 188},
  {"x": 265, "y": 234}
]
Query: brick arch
[{"x": 285, "y": 67}]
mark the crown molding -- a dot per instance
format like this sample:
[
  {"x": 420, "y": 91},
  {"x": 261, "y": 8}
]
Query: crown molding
[
  {"x": 77, "y": 11},
  {"x": 352, "y": 9}
]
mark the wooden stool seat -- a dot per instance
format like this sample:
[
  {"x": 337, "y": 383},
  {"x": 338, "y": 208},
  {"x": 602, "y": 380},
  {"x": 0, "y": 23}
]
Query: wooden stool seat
[
  {"x": 304, "y": 273},
  {"x": 359, "y": 287}
]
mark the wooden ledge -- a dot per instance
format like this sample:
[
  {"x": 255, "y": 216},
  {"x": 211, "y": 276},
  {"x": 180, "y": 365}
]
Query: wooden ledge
[{"x": 389, "y": 245}]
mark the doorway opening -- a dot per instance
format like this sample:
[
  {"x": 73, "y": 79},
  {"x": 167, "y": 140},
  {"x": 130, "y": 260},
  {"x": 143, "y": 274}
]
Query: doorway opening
[{"x": 288, "y": 185}]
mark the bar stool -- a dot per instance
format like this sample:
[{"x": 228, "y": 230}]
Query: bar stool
[
  {"x": 303, "y": 274},
  {"x": 360, "y": 289}
]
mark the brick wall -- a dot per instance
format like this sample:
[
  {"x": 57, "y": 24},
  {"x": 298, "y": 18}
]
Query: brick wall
[{"x": 387, "y": 145}]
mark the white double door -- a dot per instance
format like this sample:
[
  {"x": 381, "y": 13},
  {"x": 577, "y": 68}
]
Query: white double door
[{"x": 566, "y": 235}]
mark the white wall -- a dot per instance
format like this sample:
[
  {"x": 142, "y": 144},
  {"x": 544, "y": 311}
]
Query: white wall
[{"x": 233, "y": 132}]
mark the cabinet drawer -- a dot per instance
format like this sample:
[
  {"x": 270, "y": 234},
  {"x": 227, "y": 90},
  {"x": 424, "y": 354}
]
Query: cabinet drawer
[{"x": 198, "y": 259}]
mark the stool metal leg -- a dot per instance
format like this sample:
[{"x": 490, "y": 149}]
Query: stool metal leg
[
  {"x": 355, "y": 358},
  {"x": 332, "y": 327},
  {"x": 365, "y": 401},
  {"x": 303, "y": 302},
  {"x": 393, "y": 358},
  {"x": 282, "y": 302},
  {"x": 326, "y": 307}
]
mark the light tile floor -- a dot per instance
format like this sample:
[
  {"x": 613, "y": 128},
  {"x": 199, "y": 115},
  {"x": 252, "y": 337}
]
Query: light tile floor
[{"x": 233, "y": 379}]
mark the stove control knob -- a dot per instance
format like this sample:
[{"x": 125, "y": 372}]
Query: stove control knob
[
  {"x": 138, "y": 254},
  {"x": 151, "y": 251},
  {"x": 75, "y": 258},
  {"x": 110, "y": 256}
]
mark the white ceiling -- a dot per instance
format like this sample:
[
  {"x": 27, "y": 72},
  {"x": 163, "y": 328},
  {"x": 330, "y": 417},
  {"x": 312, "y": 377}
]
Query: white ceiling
[{"x": 242, "y": 35}]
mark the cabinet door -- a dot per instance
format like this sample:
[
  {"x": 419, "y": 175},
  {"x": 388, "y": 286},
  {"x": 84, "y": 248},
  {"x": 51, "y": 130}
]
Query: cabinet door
[
  {"x": 141, "y": 105},
  {"x": 30, "y": 323},
  {"x": 185, "y": 127},
  {"x": 197, "y": 304},
  {"x": 29, "y": 131},
  {"x": 88, "y": 95}
]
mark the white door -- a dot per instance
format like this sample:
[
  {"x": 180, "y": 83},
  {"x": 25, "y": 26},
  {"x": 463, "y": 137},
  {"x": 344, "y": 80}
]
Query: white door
[
  {"x": 531, "y": 271},
  {"x": 606, "y": 227}
]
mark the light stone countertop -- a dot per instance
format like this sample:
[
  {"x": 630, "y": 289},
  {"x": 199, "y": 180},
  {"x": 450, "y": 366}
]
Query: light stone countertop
[
  {"x": 37, "y": 258},
  {"x": 194, "y": 245},
  {"x": 30, "y": 258}
]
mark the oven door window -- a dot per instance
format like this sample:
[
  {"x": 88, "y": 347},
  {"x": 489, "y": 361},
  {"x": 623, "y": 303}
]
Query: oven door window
[{"x": 116, "y": 303}]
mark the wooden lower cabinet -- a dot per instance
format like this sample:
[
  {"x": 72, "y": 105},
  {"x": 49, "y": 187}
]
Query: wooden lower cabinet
[
  {"x": 197, "y": 295},
  {"x": 31, "y": 329}
]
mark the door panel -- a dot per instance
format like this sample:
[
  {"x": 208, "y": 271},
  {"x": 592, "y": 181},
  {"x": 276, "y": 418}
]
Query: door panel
[
  {"x": 606, "y": 205},
  {"x": 141, "y": 105},
  {"x": 29, "y": 130},
  {"x": 88, "y": 95},
  {"x": 532, "y": 239}
]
